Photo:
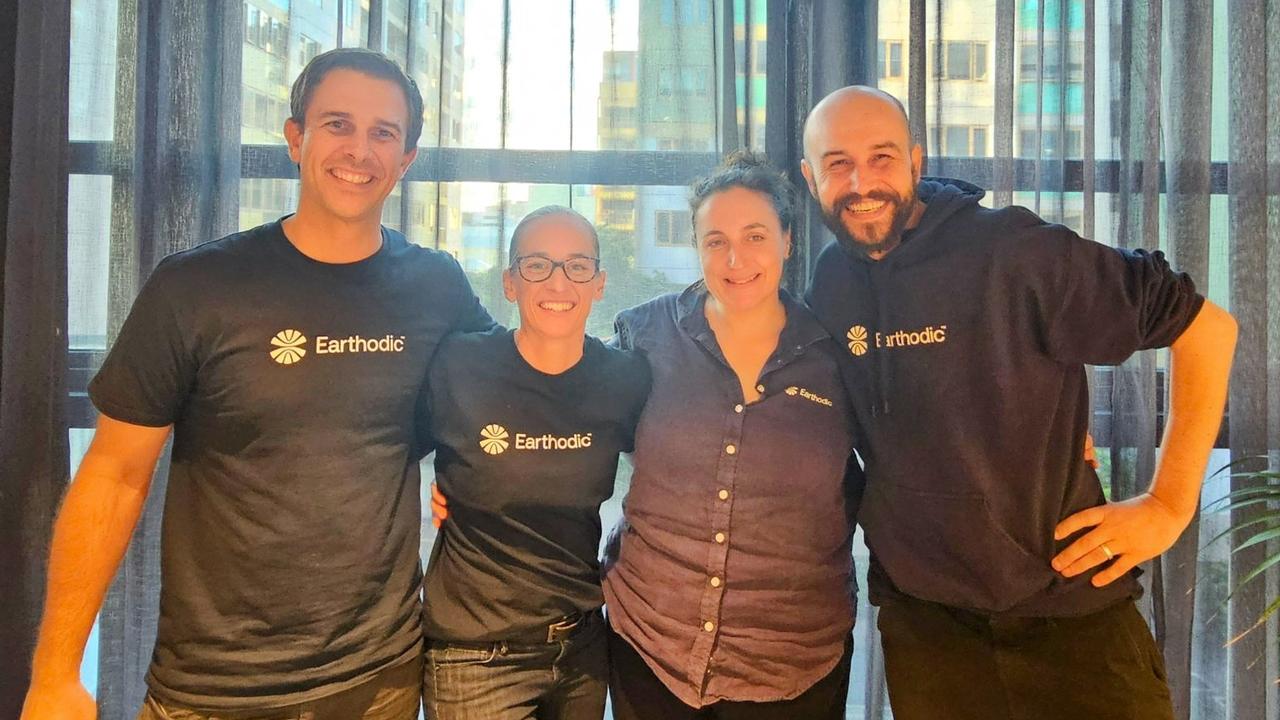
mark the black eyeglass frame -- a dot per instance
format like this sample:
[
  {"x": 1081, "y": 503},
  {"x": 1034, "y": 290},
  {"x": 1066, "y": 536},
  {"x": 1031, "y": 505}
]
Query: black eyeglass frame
[{"x": 517, "y": 264}]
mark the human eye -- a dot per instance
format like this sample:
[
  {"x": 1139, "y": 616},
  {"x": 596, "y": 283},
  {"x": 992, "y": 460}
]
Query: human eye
[{"x": 536, "y": 264}]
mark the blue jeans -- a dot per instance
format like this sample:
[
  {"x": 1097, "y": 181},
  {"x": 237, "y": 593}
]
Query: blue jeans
[
  {"x": 392, "y": 694},
  {"x": 564, "y": 680}
]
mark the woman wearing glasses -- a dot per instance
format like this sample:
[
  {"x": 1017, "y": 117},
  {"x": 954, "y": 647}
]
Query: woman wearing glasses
[{"x": 527, "y": 425}]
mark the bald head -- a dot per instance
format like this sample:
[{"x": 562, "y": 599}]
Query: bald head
[
  {"x": 853, "y": 106},
  {"x": 862, "y": 167}
]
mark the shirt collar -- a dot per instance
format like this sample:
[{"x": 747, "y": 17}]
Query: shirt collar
[{"x": 802, "y": 328}]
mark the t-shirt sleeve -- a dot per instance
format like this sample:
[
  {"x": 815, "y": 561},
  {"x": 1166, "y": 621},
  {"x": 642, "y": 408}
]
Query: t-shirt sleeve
[
  {"x": 1103, "y": 304},
  {"x": 150, "y": 369},
  {"x": 471, "y": 317},
  {"x": 423, "y": 439}
]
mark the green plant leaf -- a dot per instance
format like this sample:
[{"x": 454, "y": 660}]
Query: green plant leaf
[
  {"x": 1266, "y": 518},
  {"x": 1255, "y": 572},
  {"x": 1246, "y": 503},
  {"x": 1256, "y": 539}
]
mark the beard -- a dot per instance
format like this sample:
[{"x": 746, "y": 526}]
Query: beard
[{"x": 871, "y": 239}]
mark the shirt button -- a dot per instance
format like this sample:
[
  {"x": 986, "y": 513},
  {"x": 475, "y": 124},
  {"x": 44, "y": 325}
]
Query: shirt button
[
  {"x": 723, "y": 494},
  {"x": 731, "y": 449},
  {"x": 708, "y": 626},
  {"x": 760, "y": 388},
  {"x": 737, "y": 408},
  {"x": 720, "y": 538},
  {"x": 715, "y": 582}
]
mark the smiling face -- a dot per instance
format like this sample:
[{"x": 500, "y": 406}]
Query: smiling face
[
  {"x": 862, "y": 168},
  {"x": 350, "y": 147},
  {"x": 742, "y": 247},
  {"x": 555, "y": 308}
]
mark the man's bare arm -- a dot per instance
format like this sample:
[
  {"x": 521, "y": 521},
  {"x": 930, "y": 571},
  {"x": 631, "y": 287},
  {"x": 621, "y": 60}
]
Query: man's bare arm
[
  {"x": 90, "y": 537},
  {"x": 1136, "y": 530}
]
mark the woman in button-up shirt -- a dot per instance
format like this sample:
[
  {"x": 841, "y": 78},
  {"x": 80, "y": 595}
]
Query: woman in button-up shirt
[{"x": 732, "y": 593}]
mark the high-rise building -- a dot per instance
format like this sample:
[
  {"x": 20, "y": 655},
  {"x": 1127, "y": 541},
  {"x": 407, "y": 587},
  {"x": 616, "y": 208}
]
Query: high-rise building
[
  {"x": 1048, "y": 113},
  {"x": 282, "y": 36}
]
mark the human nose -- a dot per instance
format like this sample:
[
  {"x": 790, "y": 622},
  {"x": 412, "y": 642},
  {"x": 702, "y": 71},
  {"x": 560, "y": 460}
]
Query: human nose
[
  {"x": 358, "y": 147},
  {"x": 559, "y": 280},
  {"x": 735, "y": 256},
  {"x": 859, "y": 182}
]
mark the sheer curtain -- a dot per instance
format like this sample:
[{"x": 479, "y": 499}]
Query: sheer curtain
[
  {"x": 176, "y": 110},
  {"x": 1139, "y": 123}
]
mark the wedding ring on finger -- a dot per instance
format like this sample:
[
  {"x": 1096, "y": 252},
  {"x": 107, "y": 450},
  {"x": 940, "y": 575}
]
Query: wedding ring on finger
[{"x": 1107, "y": 551}]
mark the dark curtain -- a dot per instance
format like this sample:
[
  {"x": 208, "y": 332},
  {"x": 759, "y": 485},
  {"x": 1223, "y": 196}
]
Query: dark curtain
[
  {"x": 176, "y": 162},
  {"x": 1179, "y": 141},
  {"x": 34, "y": 59}
]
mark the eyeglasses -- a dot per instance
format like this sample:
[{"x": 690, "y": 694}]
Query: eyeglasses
[{"x": 536, "y": 268}]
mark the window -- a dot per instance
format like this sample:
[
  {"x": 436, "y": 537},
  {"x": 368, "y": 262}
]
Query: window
[
  {"x": 307, "y": 49},
  {"x": 672, "y": 228},
  {"x": 889, "y": 54},
  {"x": 958, "y": 140},
  {"x": 1029, "y": 59},
  {"x": 960, "y": 60},
  {"x": 1050, "y": 143}
]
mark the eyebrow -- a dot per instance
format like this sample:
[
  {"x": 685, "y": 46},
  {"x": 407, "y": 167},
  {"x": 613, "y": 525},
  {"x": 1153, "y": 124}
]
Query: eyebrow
[
  {"x": 887, "y": 145},
  {"x": 347, "y": 116}
]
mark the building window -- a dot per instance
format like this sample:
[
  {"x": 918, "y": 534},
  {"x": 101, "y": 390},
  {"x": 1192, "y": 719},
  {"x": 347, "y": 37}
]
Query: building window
[
  {"x": 890, "y": 59},
  {"x": 1029, "y": 60},
  {"x": 672, "y": 228},
  {"x": 1050, "y": 143},
  {"x": 307, "y": 49},
  {"x": 960, "y": 60},
  {"x": 959, "y": 140}
]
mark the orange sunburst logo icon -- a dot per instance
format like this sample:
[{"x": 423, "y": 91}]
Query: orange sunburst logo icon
[
  {"x": 857, "y": 337},
  {"x": 493, "y": 439},
  {"x": 287, "y": 347}
]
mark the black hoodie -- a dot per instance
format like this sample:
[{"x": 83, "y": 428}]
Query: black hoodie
[{"x": 966, "y": 353}]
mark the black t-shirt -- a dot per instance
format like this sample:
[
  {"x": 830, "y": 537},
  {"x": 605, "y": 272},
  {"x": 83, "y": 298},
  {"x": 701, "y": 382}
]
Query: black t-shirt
[
  {"x": 291, "y": 526},
  {"x": 525, "y": 459}
]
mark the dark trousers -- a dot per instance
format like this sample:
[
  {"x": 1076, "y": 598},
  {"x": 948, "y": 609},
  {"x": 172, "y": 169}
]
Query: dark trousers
[
  {"x": 638, "y": 694},
  {"x": 392, "y": 694},
  {"x": 941, "y": 662},
  {"x": 563, "y": 680}
]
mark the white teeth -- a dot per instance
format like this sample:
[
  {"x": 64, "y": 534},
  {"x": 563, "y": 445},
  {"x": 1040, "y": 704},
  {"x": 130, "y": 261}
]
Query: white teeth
[
  {"x": 866, "y": 207},
  {"x": 740, "y": 282},
  {"x": 356, "y": 178},
  {"x": 556, "y": 306}
]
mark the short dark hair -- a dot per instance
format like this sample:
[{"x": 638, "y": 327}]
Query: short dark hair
[
  {"x": 747, "y": 169},
  {"x": 368, "y": 62},
  {"x": 544, "y": 212}
]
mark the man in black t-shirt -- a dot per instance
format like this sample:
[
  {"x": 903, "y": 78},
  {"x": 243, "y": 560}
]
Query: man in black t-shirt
[
  {"x": 286, "y": 360},
  {"x": 527, "y": 426}
]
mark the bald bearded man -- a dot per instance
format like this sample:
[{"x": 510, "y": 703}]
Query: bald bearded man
[{"x": 1005, "y": 579}]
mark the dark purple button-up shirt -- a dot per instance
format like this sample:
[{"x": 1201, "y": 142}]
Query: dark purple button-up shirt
[{"x": 734, "y": 579}]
